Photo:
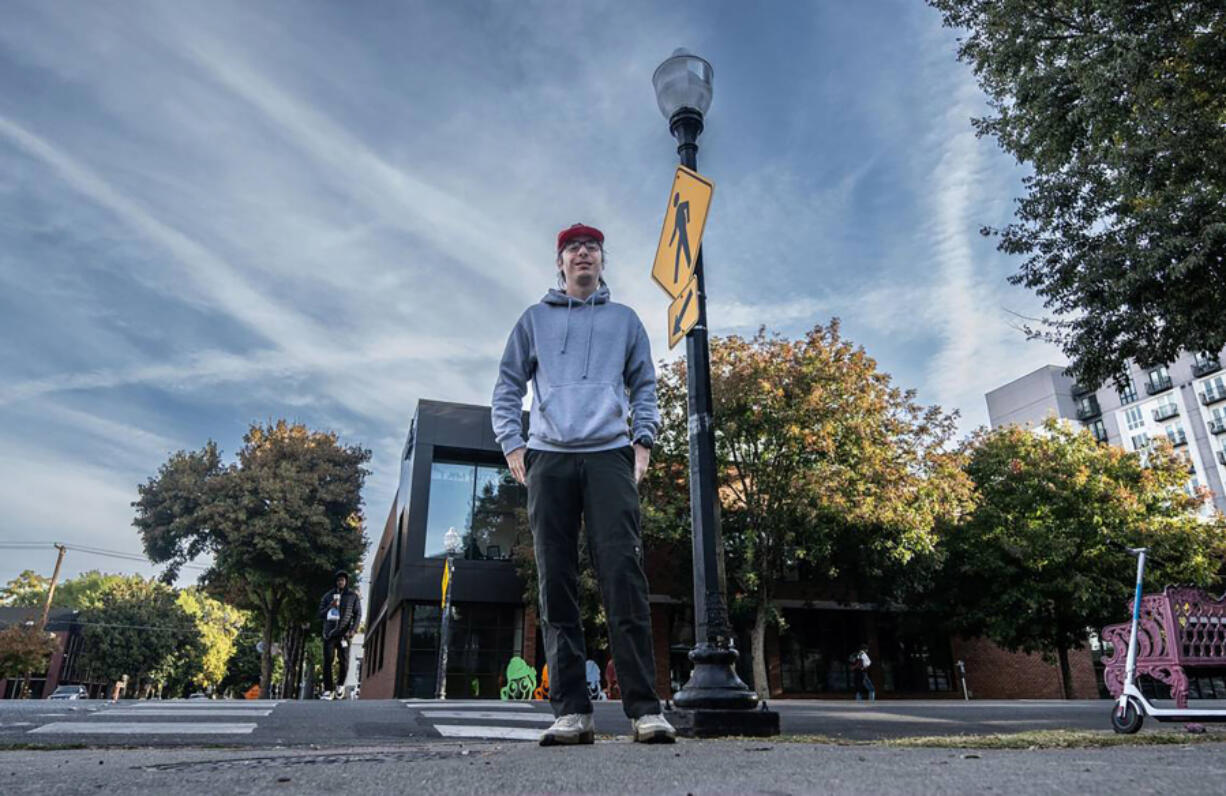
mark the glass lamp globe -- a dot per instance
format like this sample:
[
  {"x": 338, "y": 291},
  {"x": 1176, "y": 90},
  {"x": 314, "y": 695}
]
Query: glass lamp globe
[
  {"x": 683, "y": 81},
  {"x": 452, "y": 541}
]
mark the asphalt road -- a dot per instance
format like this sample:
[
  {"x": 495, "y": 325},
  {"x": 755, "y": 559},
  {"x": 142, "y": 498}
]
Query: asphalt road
[
  {"x": 367, "y": 722},
  {"x": 688, "y": 767}
]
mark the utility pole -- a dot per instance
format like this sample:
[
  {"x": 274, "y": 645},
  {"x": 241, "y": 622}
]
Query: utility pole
[
  {"x": 55, "y": 576},
  {"x": 42, "y": 625}
]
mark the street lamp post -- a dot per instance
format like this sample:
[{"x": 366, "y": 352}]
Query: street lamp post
[
  {"x": 451, "y": 544},
  {"x": 715, "y": 701}
]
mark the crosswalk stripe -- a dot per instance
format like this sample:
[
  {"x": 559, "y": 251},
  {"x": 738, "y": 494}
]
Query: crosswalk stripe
[
  {"x": 201, "y": 705},
  {"x": 483, "y": 704},
  {"x": 143, "y": 728},
  {"x": 487, "y": 715},
  {"x": 500, "y": 733},
  {"x": 185, "y": 713}
]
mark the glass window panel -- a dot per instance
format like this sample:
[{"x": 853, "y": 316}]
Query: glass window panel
[
  {"x": 500, "y": 514},
  {"x": 451, "y": 504}
]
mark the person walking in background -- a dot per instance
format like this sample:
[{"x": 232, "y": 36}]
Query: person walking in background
[
  {"x": 340, "y": 609},
  {"x": 594, "y": 417},
  {"x": 860, "y": 663}
]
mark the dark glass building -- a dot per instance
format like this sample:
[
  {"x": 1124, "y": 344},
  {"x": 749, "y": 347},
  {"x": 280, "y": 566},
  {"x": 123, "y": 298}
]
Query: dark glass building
[{"x": 453, "y": 476}]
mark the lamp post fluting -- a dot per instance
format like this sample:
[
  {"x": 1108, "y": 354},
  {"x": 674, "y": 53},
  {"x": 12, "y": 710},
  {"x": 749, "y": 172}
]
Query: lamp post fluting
[{"x": 716, "y": 700}]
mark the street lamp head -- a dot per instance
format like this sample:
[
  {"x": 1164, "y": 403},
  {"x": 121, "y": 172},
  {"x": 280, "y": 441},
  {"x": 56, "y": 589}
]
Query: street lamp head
[{"x": 683, "y": 82}]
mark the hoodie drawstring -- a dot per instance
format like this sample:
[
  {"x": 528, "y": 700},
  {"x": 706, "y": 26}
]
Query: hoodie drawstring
[
  {"x": 587, "y": 360},
  {"x": 590, "y": 301},
  {"x": 566, "y": 333}
]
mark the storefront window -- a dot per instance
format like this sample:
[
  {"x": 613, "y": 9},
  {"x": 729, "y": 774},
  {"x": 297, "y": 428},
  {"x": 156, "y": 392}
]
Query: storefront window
[
  {"x": 484, "y": 638},
  {"x": 485, "y": 505}
]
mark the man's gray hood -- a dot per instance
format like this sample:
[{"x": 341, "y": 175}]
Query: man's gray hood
[
  {"x": 558, "y": 298},
  {"x": 590, "y": 363}
]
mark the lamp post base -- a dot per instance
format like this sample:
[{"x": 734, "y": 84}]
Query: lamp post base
[
  {"x": 716, "y": 703},
  {"x": 709, "y": 723}
]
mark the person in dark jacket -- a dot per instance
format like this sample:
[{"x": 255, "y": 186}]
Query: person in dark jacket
[{"x": 340, "y": 610}]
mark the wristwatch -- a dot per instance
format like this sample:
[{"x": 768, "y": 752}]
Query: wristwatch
[{"x": 645, "y": 441}]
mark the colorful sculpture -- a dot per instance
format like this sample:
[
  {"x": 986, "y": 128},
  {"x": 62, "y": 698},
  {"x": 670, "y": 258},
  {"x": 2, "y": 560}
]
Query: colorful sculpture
[
  {"x": 542, "y": 691},
  {"x": 521, "y": 680},
  {"x": 594, "y": 690}
]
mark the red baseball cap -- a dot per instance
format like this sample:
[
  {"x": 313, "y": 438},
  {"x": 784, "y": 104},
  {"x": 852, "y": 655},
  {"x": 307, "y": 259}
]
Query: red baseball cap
[{"x": 579, "y": 231}]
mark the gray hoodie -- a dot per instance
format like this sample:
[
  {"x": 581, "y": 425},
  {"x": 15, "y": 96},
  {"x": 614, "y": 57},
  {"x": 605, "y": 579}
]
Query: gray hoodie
[{"x": 590, "y": 367}]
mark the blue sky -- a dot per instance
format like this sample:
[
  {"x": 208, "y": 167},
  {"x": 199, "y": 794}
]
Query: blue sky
[{"x": 225, "y": 212}]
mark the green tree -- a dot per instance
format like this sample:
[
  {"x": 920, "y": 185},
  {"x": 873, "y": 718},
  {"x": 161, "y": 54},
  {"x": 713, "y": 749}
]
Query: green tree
[
  {"x": 278, "y": 523},
  {"x": 243, "y": 667},
  {"x": 1119, "y": 107},
  {"x": 27, "y": 590},
  {"x": 84, "y": 591},
  {"x": 138, "y": 628},
  {"x": 219, "y": 625},
  {"x": 23, "y": 649},
  {"x": 1041, "y": 559},
  {"x": 821, "y": 462}
]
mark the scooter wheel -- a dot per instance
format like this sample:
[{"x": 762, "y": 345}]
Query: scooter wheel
[{"x": 1127, "y": 721}]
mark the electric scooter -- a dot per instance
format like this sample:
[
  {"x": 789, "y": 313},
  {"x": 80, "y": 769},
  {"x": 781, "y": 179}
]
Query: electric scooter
[{"x": 1132, "y": 707}]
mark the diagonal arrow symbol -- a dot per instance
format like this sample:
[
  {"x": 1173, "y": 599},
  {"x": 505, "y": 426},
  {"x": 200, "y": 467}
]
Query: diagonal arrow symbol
[{"x": 681, "y": 314}]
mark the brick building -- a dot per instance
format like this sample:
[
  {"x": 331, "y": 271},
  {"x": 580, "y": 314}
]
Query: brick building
[
  {"x": 453, "y": 475},
  {"x": 62, "y": 668}
]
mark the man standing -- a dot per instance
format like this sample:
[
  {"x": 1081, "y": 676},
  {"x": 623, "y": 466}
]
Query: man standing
[
  {"x": 860, "y": 662},
  {"x": 592, "y": 424},
  {"x": 340, "y": 610}
]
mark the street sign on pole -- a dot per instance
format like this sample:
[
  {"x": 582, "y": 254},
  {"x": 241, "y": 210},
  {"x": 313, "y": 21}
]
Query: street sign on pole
[
  {"x": 446, "y": 581},
  {"x": 683, "y": 313},
  {"x": 681, "y": 237}
]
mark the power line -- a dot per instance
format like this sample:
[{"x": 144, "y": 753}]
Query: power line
[{"x": 89, "y": 550}]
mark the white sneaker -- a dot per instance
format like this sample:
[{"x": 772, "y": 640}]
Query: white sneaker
[
  {"x": 326, "y": 695},
  {"x": 573, "y": 728},
  {"x": 654, "y": 728}
]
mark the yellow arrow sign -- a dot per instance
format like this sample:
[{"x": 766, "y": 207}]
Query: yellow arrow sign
[
  {"x": 683, "y": 312},
  {"x": 684, "y": 220}
]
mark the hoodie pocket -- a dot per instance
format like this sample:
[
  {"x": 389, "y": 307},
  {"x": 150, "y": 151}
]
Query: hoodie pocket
[{"x": 582, "y": 413}]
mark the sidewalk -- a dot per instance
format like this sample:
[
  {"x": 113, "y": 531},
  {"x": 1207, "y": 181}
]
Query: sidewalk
[{"x": 616, "y": 767}]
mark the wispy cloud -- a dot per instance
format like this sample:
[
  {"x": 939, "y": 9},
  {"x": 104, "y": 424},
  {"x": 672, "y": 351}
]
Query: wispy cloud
[{"x": 218, "y": 214}]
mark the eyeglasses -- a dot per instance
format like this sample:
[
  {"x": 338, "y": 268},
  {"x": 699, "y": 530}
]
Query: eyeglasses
[{"x": 575, "y": 245}]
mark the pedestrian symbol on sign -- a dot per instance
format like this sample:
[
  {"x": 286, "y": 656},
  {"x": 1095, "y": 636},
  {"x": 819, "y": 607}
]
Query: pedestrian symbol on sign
[
  {"x": 685, "y": 215},
  {"x": 681, "y": 218}
]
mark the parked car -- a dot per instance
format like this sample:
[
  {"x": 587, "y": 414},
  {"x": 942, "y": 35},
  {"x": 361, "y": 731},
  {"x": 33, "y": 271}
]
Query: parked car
[
  {"x": 199, "y": 695},
  {"x": 70, "y": 692}
]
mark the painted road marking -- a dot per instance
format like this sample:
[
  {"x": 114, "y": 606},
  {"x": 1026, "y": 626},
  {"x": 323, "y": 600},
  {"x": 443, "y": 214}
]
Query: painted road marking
[
  {"x": 143, "y": 728},
  {"x": 500, "y": 733},
  {"x": 192, "y": 713},
  {"x": 484, "y": 715},
  {"x": 876, "y": 715},
  {"x": 483, "y": 704}
]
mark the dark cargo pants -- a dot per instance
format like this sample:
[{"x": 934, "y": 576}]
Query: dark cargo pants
[{"x": 600, "y": 489}]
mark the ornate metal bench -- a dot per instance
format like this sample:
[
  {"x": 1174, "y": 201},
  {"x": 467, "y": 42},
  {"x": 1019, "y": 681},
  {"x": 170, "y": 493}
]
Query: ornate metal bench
[{"x": 1181, "y": 628}]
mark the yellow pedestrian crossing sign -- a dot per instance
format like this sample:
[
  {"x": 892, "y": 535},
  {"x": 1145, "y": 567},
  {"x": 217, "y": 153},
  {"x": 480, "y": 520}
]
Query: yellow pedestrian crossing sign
[
  {"x": 684, "y": 220},
  {"x": 683, "y": 312}
]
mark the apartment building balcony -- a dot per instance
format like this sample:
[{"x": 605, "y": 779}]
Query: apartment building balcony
[
  {"x": 1217, "y": 426},
  {"x": 1089, "y": 412},
  {"x": 1178, "y": 440},
  {"x": 1155, "y": 386},
  {"x": 1210, "y": 397},
  {"x": 1166, "y": 412},
  {"x": 1080, "y": 390},
  {"x": 1203, "y": 366},
  {"x": 1221, "y": 456}
]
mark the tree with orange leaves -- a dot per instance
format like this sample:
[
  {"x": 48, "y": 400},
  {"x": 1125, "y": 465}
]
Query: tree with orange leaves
[{"x": 824, "y": 464}]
